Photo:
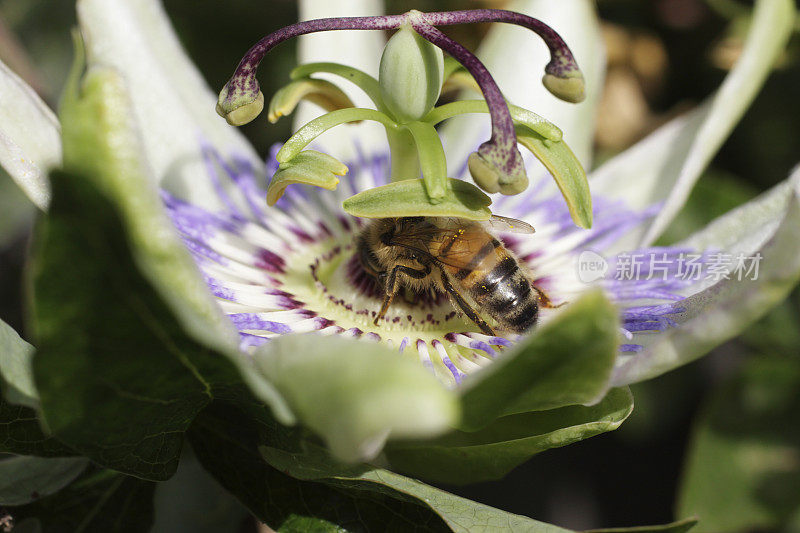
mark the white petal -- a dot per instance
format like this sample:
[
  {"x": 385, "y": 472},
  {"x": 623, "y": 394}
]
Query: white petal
[
  {"x": 30, "y": 140},
  {"x": 767, "y": 225},
  {"x": 516, "y": 57},
  {"x": 665, "y": 165},
  {"x": 172, "y": 103},
  {"x": 359, "y": 49}
]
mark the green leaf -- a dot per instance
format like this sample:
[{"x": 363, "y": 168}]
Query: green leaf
[
  {"x": 356, "y": 394},
  {"x": 681, "y": 526},
  {"x": 100, "y": 500},
  {"x": 321, "y": 92},
  {"x": 21, "y": 433},
  {"x": 25, "y": 479},
  {"x": 118, "y": 378},
  {"x": 15, "y": 368},
  {"x": 742, "y": 472},
  {"x": 566, "y": 361},
  {"x": 226, "y": 439},
  {"x": 470, "y": 457},
  {"x": 304, "y": 486},
  {"x": 309, "y": 168},
  {"x": 565, "y": 169},
  {"x": 409, "y": 198}
]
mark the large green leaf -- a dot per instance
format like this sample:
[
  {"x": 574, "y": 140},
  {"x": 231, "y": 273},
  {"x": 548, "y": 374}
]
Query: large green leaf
[
  {"x": 99, "y": 500},
  {"x": 356, "y": 394},
  {"x": 293, "y": 484},
  {"x": 226, "y": 439},
  {"x": 566, "y": 361},
  {"x": 25, "y": 479},
  {"x": 118, "y": 379},
  {"x": 743, "y": 468},
  {"x": 21, "y": 433},
  {"x": 469, "y": 457}
]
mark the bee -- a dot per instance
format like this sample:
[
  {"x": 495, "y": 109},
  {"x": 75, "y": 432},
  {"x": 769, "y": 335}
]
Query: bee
[{"x": 459, "y": 257}]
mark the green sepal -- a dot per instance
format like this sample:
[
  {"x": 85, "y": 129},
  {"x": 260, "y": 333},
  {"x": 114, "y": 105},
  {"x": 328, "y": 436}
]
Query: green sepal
[
  {"x": 309, "y": 168},
  {"x": 566, "y": 361},
  {"x": 356, "y": 394},
  {"x": 321, "y": 92},
  {"x": 359, "y": 78},
  {"x": 565, "y": 169},
  {"x": 469, "y": 457},
  {"x": 409, "y": 198}
]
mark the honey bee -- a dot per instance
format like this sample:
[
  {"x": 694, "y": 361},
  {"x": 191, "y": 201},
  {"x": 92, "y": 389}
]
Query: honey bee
[{"x": 459, "y": 257}]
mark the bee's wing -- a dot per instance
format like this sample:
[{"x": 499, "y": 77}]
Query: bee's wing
[
  {"x": 507, "y": 225},
  {"x": 433, "y": 243}
]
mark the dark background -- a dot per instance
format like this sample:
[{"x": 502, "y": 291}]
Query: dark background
[{"x": 625, "y": 478}]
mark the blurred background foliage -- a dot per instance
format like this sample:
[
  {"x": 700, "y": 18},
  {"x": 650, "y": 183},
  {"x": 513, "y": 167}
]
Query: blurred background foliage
[{"x": 719, "y": 438}]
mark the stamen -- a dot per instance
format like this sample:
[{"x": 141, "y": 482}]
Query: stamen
[{"x": 241, "y": 100}]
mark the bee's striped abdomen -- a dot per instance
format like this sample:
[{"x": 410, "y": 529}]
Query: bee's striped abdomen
[{"x": 500, "y": 287}]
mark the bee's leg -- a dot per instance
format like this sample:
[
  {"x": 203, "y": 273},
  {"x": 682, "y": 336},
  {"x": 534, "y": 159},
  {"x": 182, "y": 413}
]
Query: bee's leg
[
  {"x": 468, "y": 310},
  {"x": 393, "y": 283},
  {"x": 544, "y": 300}
]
